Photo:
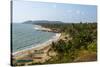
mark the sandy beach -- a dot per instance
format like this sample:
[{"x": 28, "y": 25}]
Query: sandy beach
[
  {"x": 25, "y": 52},
  {"x": 40, "y": 28}
]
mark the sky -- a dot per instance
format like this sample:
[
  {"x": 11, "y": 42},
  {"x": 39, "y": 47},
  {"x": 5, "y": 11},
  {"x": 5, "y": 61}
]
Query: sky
[{"x": 29, "y": 10}]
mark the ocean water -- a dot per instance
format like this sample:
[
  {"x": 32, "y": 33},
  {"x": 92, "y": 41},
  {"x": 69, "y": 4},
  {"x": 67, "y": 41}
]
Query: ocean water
[{"x": 26, "y": 36}]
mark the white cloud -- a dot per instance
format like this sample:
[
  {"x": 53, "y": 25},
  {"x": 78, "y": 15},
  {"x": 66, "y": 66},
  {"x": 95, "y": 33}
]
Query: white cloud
[
  {"x": 82, "y": 13},
  {"x": 78, "y": 12},
  {"x": 55, "y": 6},
  {"x": 69, "y": 11},
  {"x": 74, "y": 11}
]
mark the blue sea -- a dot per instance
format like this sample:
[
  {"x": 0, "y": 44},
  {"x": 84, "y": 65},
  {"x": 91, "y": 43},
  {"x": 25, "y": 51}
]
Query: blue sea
[{"x": 26, "y": 36}]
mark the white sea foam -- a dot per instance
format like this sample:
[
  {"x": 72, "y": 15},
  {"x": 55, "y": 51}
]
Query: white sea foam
[
  {"x": 35, "y": 46},
  {"x": 38, "y": 46}
]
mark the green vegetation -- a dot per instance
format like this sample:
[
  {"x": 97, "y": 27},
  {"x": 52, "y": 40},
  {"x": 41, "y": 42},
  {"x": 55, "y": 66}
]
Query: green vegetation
[
  {"x": 78, "y": 43},
  {"x": 84, "y": 41}
]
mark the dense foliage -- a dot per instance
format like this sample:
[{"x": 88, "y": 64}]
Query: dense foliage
[
  {"x": 84, "y": 38},
  {"x": 79, "y": 42}
]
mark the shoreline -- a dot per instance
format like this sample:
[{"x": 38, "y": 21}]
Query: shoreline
[
  {"x": 24, "y": 52},
  {"x": 40, "y": 28}
]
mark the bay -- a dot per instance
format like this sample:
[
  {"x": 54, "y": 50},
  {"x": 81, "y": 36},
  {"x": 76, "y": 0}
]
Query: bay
[{"x": 26, "y": 36}]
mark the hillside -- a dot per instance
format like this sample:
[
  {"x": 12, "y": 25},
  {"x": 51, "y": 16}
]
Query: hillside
[{"x": 41, "y": 21}]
